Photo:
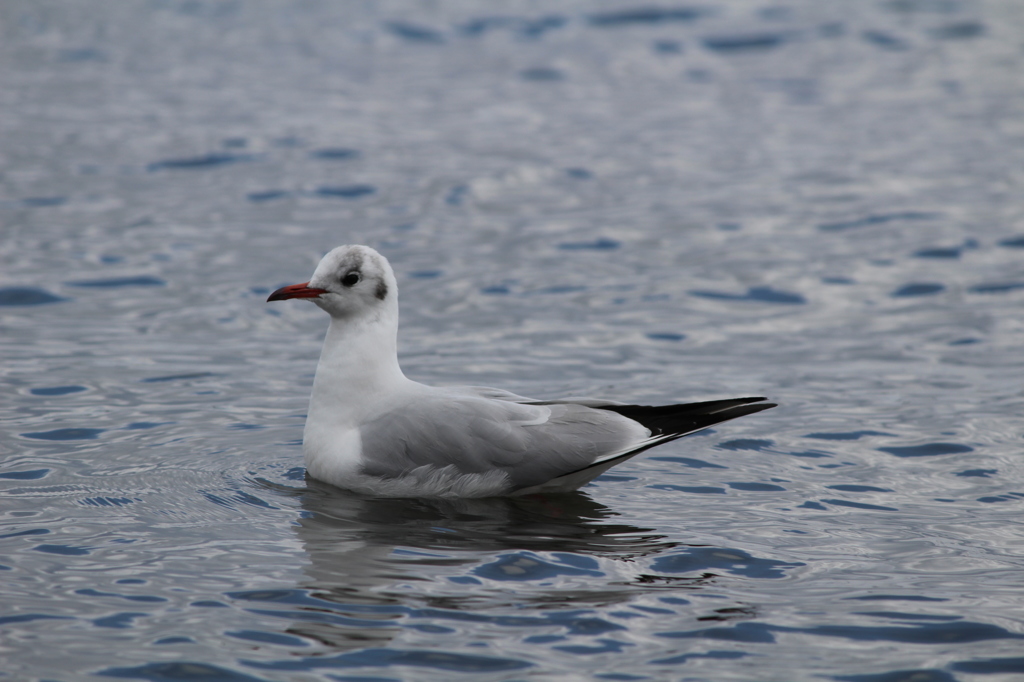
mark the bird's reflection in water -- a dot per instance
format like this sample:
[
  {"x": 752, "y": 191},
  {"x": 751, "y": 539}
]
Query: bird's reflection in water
[
  {"x": 562, "y": 522},
  {"x": 384, "y": 560}
]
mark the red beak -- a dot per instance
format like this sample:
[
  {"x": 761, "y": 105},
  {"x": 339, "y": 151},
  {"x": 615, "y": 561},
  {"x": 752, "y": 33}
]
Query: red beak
[{"x": 295, "y": 291}]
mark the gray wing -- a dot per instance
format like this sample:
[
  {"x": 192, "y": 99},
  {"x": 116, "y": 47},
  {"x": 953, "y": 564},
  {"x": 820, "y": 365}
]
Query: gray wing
[
  {"x": 499, "y": 394},
  {"x": 530, "y": 442}
]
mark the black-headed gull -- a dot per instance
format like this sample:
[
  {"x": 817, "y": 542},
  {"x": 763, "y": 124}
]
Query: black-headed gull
[{"x": 372, "y": 430}]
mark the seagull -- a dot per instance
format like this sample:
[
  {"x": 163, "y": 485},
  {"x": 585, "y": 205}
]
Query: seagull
[{"x": 371, "y": 430}]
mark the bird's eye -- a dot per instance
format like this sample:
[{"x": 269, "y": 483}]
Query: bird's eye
[{"x": 350, "y": 280}]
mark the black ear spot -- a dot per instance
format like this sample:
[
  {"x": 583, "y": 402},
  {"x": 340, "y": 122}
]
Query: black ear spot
[
  {"x": 350, "y": 280},
  {"x": 382, "y": 290}
]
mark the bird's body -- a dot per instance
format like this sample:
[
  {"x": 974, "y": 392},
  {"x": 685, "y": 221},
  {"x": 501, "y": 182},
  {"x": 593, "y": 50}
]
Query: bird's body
[{"x": 373, "y": 430}]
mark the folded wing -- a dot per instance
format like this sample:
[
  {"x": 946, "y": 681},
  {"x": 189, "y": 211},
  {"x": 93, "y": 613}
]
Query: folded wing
[{"x": 539, "y": 445}]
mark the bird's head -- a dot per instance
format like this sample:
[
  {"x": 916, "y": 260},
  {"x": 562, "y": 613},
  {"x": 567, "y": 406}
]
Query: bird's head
[{"x": 350, "y": 281}]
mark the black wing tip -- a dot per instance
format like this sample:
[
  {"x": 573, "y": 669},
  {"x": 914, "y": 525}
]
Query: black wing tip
[
  {"x": 731, "y": 404},
  {"x": 742, "y": 401},
  {"x": 704, "y": 407},
  {"x": 744, "y": 410},
  {"x": 678, "y": 420},
  {"x": 759, "y": 404}
]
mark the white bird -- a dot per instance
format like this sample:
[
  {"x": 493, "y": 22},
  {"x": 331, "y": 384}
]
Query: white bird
[{"x": 372, "y": 430}]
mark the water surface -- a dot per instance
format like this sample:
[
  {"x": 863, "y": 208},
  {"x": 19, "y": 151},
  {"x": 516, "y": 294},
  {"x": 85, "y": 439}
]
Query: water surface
[{"x": 651, "y": 203}]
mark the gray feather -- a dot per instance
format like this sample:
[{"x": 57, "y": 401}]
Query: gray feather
[{"x": 531, "y": 443}]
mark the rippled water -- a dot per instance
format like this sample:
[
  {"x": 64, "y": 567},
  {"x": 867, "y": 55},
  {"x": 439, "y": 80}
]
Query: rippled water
[{"x": 819, "y": 202}]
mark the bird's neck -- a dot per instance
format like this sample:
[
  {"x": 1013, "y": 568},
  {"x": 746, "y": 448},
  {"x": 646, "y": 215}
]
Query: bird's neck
[{"x": 358, "y": 367}]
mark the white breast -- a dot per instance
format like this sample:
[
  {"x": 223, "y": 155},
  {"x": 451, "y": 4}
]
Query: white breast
[{"x": 332, "y": 453}]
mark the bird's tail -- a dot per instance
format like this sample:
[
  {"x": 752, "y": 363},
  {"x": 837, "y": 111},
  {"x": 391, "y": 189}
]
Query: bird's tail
[
  {"x": 675, "y": 421},
  {"x": 666, "y": 423}
]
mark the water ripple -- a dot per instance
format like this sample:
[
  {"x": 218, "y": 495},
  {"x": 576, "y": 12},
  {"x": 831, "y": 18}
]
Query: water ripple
[{"x": 650, "y": 203}]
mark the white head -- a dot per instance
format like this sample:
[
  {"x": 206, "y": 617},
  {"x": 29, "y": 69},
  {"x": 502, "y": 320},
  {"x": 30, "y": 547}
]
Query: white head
[{"x": 350, "y": 282}]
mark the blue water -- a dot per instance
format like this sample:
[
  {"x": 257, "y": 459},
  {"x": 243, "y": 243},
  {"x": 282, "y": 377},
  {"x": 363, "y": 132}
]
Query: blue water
[{"x": 817, "y": 202}]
